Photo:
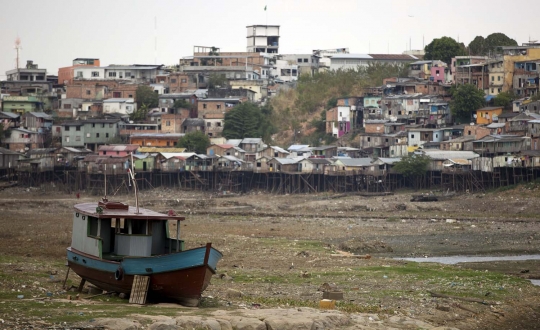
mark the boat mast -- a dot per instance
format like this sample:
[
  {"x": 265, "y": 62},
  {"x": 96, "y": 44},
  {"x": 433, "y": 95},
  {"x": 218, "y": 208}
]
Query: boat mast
[
  {"x": 105, "y": 174},
  {"x": 132, "y": 175}
]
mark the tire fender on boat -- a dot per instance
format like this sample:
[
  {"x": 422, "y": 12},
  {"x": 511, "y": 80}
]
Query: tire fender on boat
[{"x": 119, "y": 273}]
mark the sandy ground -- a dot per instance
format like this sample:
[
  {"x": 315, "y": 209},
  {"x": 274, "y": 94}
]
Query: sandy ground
[{"x": 279, "y": 249}]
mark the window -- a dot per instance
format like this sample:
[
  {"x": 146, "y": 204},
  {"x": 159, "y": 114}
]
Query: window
[
  {"x": 104, "y": 152},
  {"x": 112, "y": 74},
  {"x": 77, "y": 138},
  {"x": 67, "y": 138},
  {"x": 106, "y": 135},
  {"x": 77, "y": 128},
  {"x": 469, "y": 132},
  {"x": 66, "y": 128},
  {"x": 183, "y": 81},
  {"x": 204, "y": 105},
  {"x": 79, "y": 74},
  {"x": 498, "y": 78},
  {"x": 111, "y": 125},
  {"x": 173, "y": 81},
  {"x": 67, "y": 106},
  {"x": 128, "y": 74},
  {"x": 117, "y": 94},
  {"x": 97, "y": 135},
  {"x": 492, "y": 78},
  {"x": 88, "y": 92},
  {"x": 208, "y": 124},
  {"x": 95, "y": 73},
  {"x": 168, "y": 123},
  {"x": 218, "y": 106},
  {"x": 368, "y": 139},
  {"x": 87, "y": 135},
  {"x": 412, "y": 136},
  {"x": 218, "y": 124},
  {"x": 492, "y": 90},
  {"x": 299, "y": 60},
  {"x": 130, "y": 95},
  {"x": 306, "y": 60}
]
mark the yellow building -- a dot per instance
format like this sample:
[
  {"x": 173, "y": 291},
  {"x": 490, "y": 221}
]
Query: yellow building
[
  {"x": 513, "y": 54},
  {"x": 487, "y": 115}
]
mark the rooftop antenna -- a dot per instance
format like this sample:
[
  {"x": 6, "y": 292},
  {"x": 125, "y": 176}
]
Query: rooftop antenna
[
  {"x": 155, "y": 40},
  {"x": 17, "y": 49}
]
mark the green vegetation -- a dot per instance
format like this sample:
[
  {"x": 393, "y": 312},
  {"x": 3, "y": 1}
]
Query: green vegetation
[
  {"x": 247, "y": 120},
  {"x": 490, "y": 45},
  {"x": 196, "y": 142},
  {"x": 466, "y": 100},
  {"x": 412, "y": 165},
  {"x": 182, "y": 104},
  {"x": 145, "y": 96},
  {"x": 504, "y": 99},
  {"x": 318, "y": 93},
  {"x": 211, "y": 61},
  {"x": 444, "y": 49}
]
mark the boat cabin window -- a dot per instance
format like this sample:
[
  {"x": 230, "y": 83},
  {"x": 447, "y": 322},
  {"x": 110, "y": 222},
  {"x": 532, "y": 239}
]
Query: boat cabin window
[{"x": 93, "y": 226}]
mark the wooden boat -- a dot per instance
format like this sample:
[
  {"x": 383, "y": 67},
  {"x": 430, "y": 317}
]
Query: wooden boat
[{"x": 112, "y": 242}]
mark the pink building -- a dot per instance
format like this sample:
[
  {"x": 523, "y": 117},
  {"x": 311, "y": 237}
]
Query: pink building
[
  {"x": 117, "y": 150},
  {"x": 438, "y": 74}
]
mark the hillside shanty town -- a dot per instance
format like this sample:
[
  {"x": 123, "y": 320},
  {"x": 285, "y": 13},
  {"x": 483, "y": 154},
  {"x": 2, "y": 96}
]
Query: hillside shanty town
[
  {"x": 169, "y": 165},
  {"x": 216, "y": 120}
]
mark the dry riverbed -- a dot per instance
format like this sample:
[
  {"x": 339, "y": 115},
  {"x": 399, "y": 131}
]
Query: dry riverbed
[{"x": 280, "y": 250}]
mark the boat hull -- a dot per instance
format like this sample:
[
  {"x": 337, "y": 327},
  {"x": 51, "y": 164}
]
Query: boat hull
[{"x": 181, "y": 276}]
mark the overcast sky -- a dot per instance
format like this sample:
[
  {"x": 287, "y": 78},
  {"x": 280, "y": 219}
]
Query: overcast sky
[{"x": 55, "y": 32}]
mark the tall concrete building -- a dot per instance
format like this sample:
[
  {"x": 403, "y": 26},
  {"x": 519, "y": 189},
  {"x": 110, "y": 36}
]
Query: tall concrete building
[{"x": 263, "y": 39}]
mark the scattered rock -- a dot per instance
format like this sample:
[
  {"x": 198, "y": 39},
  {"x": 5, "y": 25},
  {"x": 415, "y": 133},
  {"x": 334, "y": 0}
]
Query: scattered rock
[{"x": 232, "y": 293}]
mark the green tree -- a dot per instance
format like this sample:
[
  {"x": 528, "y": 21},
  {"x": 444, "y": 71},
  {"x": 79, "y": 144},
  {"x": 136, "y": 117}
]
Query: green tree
[
  {"x": 211, "y": 61},
  {"x": 504, "y": 99},
  {"x": 182, "y": 104},
  {"x": 465, "y": 100},
  {"x": 139, "y": 114},
  {"x": 477, "y": 46},
  {"x": 496, "y": 40},
  {"x": 490, "y": 45},
  {"x": 243, "y": 121},
  {"x": 412, "y": 167},
  {"x": 196, "y": 142},
  {"x": 444, "y": 49},
  {"x": 145, "y": 95}
]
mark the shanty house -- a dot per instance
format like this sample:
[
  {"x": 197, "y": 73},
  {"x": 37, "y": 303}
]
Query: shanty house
[
  {"x": 283, "y": 164},
  {"x": 117, "y": 150},
  {"x": 8, "y": 158},
  {"x": 313, "y": 165}
]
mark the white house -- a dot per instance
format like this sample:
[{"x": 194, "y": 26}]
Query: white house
[
  {"x": 89, "y": 72},
  {"x": 119, "y": 105}
]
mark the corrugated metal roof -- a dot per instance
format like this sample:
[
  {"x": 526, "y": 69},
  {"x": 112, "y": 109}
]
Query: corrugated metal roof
[
  {"x": 447, "y": 154},
  {"x": 159, "y": 149},
  {"x": 296, "y": 147},
  {"x": 390, "y": 160},
  {"x": 251, "y": 140},
  {"x": 119, "y": 100},
  {"x": 323, "y": 161},
  {"x": 10, "y": 114},
  {"x": 159, "y": 135},
  {"x": 355, "y": 161},
  {"x": 185, "y": 155},
  {"x": 232, "y": 158},
  {"x": 234, "y": 142},
  {"x": 496, "y": 125},
  {"x": 286, "y": 161},
  {"x": 279, "y": 149},
  {"x": 116, "y": 147},
  {"x": 4, "y": 151},
  {"x": 41, "y": 115}
]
